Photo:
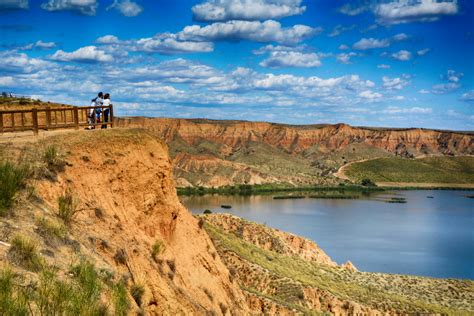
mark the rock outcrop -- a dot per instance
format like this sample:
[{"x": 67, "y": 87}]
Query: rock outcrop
[
  {"x": 298, "y": 138},
  {"x": 271, "y": 239}
]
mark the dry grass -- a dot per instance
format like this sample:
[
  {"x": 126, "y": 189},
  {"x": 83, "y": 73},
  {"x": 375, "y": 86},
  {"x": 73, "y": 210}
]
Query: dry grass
[
  {"x": 67, "y": 207},
  {"x": 12, "y": 180},
  {"x": 157, "y": 248},
  {"x": 24, "y": 252},
  {"x": 397, "y": 292}
]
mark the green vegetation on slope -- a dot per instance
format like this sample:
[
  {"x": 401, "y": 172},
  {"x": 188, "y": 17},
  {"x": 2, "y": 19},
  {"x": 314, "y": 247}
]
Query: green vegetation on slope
[
  {"x": 246, "y": 189},
  {"x": 423, "y": 170},
  {"x": 78, "y": 294},
  {"x": 387, "y": 291}
]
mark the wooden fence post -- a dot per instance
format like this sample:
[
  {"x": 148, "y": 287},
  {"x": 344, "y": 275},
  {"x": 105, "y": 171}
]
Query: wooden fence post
[
  {"x": 35, "y": 121},
  {"x": 111, "y": 116},
  {"x": 48, "y": 117},
  {"x": 76, "y": 118}
]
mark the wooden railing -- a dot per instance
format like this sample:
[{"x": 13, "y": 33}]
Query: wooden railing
[{"x": 36, "y": 119}]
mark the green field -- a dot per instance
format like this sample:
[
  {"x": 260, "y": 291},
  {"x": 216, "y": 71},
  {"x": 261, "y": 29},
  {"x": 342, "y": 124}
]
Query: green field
[{"x": 459, "y": 170}]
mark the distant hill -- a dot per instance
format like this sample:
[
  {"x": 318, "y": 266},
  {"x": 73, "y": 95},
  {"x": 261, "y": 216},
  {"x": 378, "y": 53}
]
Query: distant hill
[{"x": 219, "y": 152}]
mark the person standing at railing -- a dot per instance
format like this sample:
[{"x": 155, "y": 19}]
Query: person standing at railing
[
  {"x": 94, "y": 113},
  {"x": 106, "y": 102}
]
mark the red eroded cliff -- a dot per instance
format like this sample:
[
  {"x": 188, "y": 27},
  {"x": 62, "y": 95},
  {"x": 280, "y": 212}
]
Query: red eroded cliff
[{"x": 297, "y": 138}]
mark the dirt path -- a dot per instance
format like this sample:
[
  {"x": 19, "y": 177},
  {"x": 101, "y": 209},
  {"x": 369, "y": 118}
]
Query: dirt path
[
  {"x": 340, "y": 172},
  {"x": 27, "y": 137}
]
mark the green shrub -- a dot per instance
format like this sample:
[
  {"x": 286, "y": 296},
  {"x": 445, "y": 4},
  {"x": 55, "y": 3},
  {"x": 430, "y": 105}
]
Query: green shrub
[
  {"x": 367, "y": 182},
  {"x": 120, "y": 299},
  {"x": 12, "y": 179},
  {"x": 79, "y": 296},
  {"x": 12, "y": 300},
  {"x": 67, "y": 207},
  {"x": 207, "y": 212},
  {"x": 87, "y": 290},
  {"x": 23, "y": 251},
  {"x": 137, "y": 291},
  {"x": 53, "y": 296}
]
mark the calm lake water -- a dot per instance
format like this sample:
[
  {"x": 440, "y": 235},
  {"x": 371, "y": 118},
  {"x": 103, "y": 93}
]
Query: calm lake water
[{"x": 426, "y": 236}]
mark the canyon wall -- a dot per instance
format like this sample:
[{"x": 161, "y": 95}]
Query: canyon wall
[{"x": 215, "y": 153}]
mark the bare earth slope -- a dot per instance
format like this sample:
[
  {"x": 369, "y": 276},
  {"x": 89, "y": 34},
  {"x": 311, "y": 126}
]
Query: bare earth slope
[
  {"x": 122, "y": 180},
  {"x": 216, "y": 153}
]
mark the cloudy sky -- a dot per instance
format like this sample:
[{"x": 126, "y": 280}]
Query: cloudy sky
[{"x": 406, "y": 63}]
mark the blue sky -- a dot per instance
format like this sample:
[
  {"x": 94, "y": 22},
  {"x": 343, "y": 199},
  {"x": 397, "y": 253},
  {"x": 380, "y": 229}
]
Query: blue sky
[{"x": 404, "y": 63}]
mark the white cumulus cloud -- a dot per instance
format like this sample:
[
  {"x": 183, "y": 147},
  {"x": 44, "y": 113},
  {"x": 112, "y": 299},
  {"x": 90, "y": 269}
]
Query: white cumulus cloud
[
  {"x": 345, "y": 58},
  {"x": 87, "y": 7},
  {"x": 267, "y": 31},
  {"x": 423, "y": 52},
  {"x": 468, "y": 96},
  {"x": 250, "y": 10},
  {"x": 402, "y": 55},
  {"x": 404, "y": 11},
  {"x": 20, "y": 63},
  {"x": 44, "y": 45},
  {"x": 394, "y": 83},
  {"x": 453, "y": 76},
  {"x": 370, "y": 43},
  {"x": 280, "y": 59},
  {"x": 370, "y": 95},
  {"x": 126, "y": 7},
  {"x": 107, "y": 39},
  {"x": 169, "y": 44},
  {"x": 87, "y": 54},
  {"x": 444, "y": 88}
]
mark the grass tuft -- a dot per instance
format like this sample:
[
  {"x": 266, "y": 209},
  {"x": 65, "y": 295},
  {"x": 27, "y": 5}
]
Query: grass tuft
[
  {"x": 53, "y": 159},
  {"x": 67, "y": 207},
  {"x": 12, "y": 302},
  {"x": 120, "y": 299},
  {"x": 137, "y": 291},
  {"x": 50, "y": 229},
  {"x": 79, "y": 296},
  {"x": 157, "y": 248},
  {"x": 12, "y": 180},
  {"x": 23, "y": 251}
]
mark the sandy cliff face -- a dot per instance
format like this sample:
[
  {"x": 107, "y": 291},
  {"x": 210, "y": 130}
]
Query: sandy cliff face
[{"x": 126, "y": 177}]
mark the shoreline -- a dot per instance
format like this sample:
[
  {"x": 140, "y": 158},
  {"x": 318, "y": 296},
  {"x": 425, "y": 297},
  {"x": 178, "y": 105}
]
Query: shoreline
[{"x": 268, "y": 189}]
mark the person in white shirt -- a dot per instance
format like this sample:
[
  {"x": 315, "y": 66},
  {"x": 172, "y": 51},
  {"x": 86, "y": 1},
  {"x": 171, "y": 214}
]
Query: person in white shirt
[
  {"x": 97, "y": 103},
  {"x": 106, "y": 102}
]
